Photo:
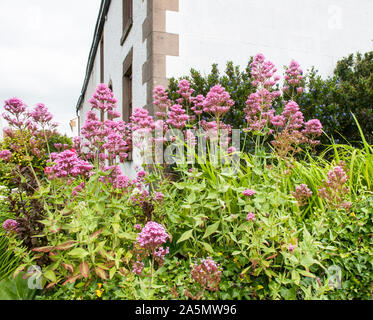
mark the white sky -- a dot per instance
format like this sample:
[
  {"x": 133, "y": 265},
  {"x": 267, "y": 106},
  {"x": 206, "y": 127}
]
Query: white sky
[{"x": 44, "y": 48}]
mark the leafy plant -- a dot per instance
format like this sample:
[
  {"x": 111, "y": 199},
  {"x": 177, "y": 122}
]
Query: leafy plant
[{"x": 16, "y": 289}]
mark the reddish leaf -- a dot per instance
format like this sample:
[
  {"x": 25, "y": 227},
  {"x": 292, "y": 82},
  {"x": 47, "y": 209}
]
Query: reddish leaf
[
  {"x": 110, "y": 264},
  {"x": 72, "y": 279},
  {"x": 272, "y": 257},
  {"x": 43, "y": 249},
  {"x": 84, "y": 269},
  {"x": 123, "y": 272},
  {"x": 96, "y": 234},
  {"x": 68, "y": 267},
  {"x": 101, "y": 273},
  {"x": 18, "y": 270},
  {"x": 26, "y": 276},
  {"x": 55, "y": 229},
  {"x": 50, "y": 285},
  {"x": 66, "y": 245}
]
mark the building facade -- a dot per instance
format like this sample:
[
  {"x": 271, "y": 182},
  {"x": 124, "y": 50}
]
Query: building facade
[{"x": 139, "y": 44}]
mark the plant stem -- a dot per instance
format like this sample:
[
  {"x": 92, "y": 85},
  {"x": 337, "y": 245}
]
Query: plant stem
[{"x": 151, "y": 271}]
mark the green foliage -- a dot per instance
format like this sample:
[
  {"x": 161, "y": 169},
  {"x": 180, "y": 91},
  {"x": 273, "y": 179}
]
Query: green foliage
[
  {"x": 207, "y": 211},
  {"x": 8, "y": 262},
  {"x": 16, "y": 289},
  {"x": 333, "y": 100}
]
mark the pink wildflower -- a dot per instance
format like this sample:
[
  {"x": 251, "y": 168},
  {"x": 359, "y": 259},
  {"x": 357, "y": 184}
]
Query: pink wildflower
[
  {"x": 67, "y": 163},
  {"x": 5, "y": 155},
  {"x": 218, "y": 101},
  {"x": 249, "y": 193},
  {"x": 152, "y": 236},
  {"x": 185, "y": 91},
  {"x": 162, "y": 101},
  {"x": 10, "y": 225},
  {"x": 250, "y": 217},
  {"x": 158, "y": 197},
  {"x": 301, "y": 194},
  {"x": 207, "y": 274},
  {"x": 177, "y": 117}
]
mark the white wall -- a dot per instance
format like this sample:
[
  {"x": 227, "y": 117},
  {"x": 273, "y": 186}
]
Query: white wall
[
  {"x": 313, "y": 32},
  {"x": 114, "y": 55}
]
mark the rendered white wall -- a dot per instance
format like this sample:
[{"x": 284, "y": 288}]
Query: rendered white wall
[
  {"x": 114, "y": 55},
  {"x": 313, "y": 32}
]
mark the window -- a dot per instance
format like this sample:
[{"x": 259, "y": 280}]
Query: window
[
  {"x": 127, "y": 18},
  {"x": 127, "y": 95},
  {"x": 127, "y": 87},
  {"x": 127, "y": 91}
]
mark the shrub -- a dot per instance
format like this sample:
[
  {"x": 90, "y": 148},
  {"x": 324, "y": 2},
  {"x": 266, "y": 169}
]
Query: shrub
[{"x": 332, "y": 100}]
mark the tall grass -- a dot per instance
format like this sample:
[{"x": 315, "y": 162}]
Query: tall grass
[{"x": 8, "y": 262}]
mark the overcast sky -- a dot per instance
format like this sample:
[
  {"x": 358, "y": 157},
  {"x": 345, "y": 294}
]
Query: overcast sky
[{"x": 44, "y": 48}]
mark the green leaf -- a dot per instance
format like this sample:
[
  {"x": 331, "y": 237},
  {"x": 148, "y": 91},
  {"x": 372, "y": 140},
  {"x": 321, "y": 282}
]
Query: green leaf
[
  {"x": 127, "y": 235},
  {"x": 211, "y": 229},
  {"x": 16, "y": 289},
  {"x": 185, "y": 236},
  {"x": 307, "y": 261},
  {"x": 208, "y": 247},
  {"x": 306, "y": 274},
  {"x": 295, "y": 277},
  {"x": 50, "y": 275},
  {"x": 191, "y": 198},
  {"x": 112, "y": 272},
  {"x": 78, "y": 253}
]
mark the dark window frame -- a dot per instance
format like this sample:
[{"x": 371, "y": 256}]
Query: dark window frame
[
  {"x": 127, "y": 90},
  {"x": 127, "y": 14}
]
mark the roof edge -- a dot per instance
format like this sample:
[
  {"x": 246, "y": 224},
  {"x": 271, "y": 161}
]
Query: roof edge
[{"x": 104, "y": 8}]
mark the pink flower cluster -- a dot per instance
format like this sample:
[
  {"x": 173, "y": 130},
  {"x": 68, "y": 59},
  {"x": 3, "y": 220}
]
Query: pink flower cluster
[
  {"x": 177, "y": 117},
  {"x": 109, "y": 139},
  {"x": 218, "y": 101},
  {"x": 68, "y": 164},
  {"x": 10, "y": 225},
  {"x": 142, "y": 121},
  {"x": 78, "y": 189},
  {"x": 260, "y": 114},
  {"x": 41, "y": 115},
  {"x": 5, "y": 155},
  {"x": 289, "y": 126},
  {"x": 263, "y": 72},
  {"x": 334, "y": 189},
  {"x": 18, "y": 117},
  {"x": 301, "y": 194},
  {"x": 158, "y": 197},
  {"x": 15, "y": 113},
  {"x": 293, "y": 77},
  {"x": 152, "y": 236},
  {"x": 251, "y": 217},
  {"x": 116, "y": 178},
  {"x": 249, "y": 192},
  {"x": 198, "y": 104},
  {"x": 207, "y": 274},
  {"x": 103, "y": 100},
  {"x": 93, "y": 130},
  {"x": 118, "y": 141},
  {"x": 162, "y": 101},
  {"x": 185, "y": 91},
  {"x": 150, "y": 240}
]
